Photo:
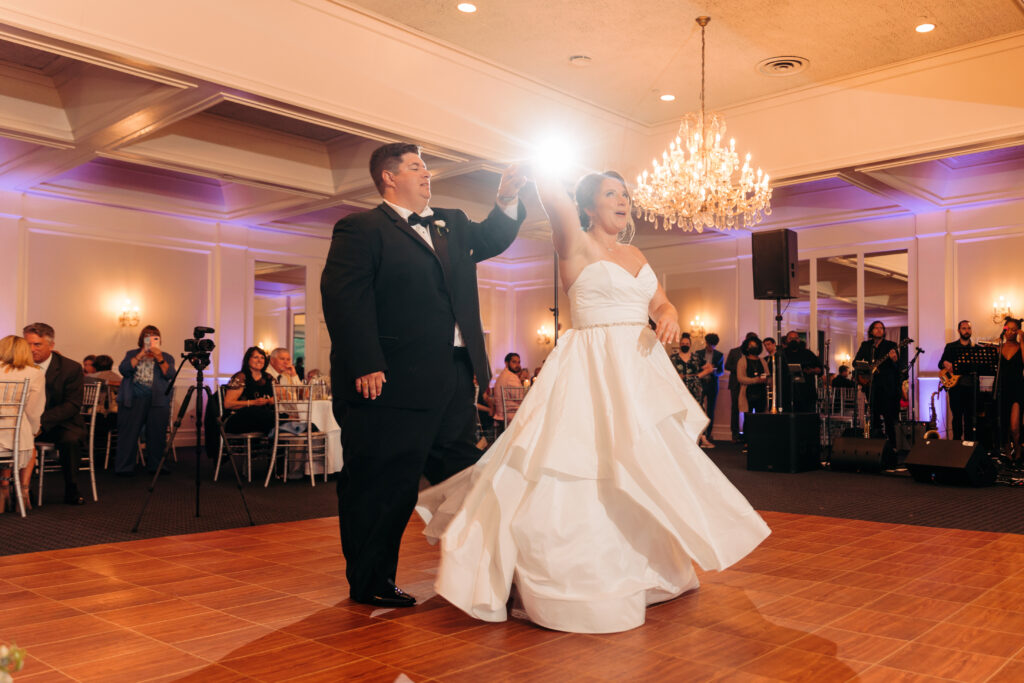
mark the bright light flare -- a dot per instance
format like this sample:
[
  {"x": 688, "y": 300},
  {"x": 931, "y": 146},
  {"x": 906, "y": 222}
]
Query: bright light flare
[
  {"x": 554, "y": 155},
  {"x": 466, "y": 7}
]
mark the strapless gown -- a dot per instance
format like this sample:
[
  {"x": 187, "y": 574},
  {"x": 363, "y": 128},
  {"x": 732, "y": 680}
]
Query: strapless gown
[{"x": 596, "y": 500}]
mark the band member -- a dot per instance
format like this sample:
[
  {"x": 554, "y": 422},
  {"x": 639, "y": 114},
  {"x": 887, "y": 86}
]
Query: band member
[
  {"x": 799, "y": 396},
  {"x": 961, "y": 417},
  {"x": 883, "y": 387}
]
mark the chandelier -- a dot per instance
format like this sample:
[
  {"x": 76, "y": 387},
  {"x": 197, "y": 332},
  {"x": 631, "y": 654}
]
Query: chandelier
[{"x": 699, "y": 182}]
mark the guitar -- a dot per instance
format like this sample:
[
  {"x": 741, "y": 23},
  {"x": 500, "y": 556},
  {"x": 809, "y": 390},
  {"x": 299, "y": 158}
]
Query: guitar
[
  {"x": 948, "y": 379},
  {"x": 866, "y": 369}
]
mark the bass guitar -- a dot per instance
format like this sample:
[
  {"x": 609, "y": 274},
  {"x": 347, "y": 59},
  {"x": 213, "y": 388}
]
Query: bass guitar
[{"x": 948, "y": 379}]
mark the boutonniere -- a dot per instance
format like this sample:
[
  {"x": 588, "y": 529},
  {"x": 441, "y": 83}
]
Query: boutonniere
[{"x": 440, "y": 226}]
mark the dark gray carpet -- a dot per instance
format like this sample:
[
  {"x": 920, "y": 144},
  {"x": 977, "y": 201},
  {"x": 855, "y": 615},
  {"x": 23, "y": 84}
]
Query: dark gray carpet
[{"x": 873, "y": 497}]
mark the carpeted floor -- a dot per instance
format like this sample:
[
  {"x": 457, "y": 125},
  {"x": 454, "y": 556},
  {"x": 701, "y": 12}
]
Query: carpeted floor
[{"x": 879, "y": 498}]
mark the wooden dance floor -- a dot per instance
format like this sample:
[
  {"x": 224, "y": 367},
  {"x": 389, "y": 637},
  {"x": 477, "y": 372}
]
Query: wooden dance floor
[{"x": 821, "y": 600}]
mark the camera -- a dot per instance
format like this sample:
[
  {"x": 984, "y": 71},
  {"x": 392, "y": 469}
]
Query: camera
[{"x": 197, "y": 349}]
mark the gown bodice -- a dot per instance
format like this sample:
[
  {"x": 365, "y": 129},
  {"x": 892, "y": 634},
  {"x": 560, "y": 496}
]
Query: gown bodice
[{"x": 605, "y": 293}]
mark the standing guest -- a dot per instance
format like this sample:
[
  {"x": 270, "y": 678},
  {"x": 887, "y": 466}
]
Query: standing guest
[
  {"x": 752, "y": 374},
  {"x": 1011, "y": 387},
  {"x": 511, "y": 376},
  {"x": 962, "y": 392},
  {"x": 884, "y": 389},
  {"x": 281, "y": 370},
  {"x": 300, "y": 368},
  {"x": 143, "y": 403},
  {"x": 87, "y": 365},
  {"x": 16, "y": 365},
  {"x": 692, "y": 371},
  {"x": 400, "y": 300},
  {"x": 731, "y": 360},
  {"x": 61, "y": 421},
  {"x": 250, "y": 393},
  {"x": 710, "y": 354}
]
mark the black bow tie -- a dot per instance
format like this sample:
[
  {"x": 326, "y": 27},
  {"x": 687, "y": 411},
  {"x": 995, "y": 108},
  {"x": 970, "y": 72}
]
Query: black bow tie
[{"x": 416, "y": 219}]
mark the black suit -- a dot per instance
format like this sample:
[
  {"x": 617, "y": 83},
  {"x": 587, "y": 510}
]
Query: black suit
[
  {"x": 61, "y": 421},
  {"x": 734, "y": 391},
  {"x": 711, "y": 383},
  {"x": 884, "y": 389},
  {"x": 961, "y": 395},
  {"x": 391, "y": 304}
]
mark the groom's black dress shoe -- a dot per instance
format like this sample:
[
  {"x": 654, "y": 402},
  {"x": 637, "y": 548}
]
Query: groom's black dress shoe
[{"x": 391, "y": 596}]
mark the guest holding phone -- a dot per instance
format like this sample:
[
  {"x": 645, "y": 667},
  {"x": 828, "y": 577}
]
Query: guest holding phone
[{"x": 143, "y": 402}]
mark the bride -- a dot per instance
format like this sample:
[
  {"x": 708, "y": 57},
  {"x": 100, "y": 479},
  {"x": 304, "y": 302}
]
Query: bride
[{"x": 596, "y": 500}]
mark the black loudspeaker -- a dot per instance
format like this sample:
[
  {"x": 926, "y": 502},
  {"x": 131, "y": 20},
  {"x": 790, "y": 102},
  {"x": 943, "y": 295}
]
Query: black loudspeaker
[
  {"x": 773, "y": 258},
  {"x": 951, "y": 462},
  {"x": 857, "y": 454},
  {"x": 908, "y": 434},
  {"x": 782, "y": 442}
]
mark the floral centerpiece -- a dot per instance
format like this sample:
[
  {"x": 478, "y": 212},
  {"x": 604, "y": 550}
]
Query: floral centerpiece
[{"x": 12, "y": 658}]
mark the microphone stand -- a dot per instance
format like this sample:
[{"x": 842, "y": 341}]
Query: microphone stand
[{"x": 912, "y": 395}]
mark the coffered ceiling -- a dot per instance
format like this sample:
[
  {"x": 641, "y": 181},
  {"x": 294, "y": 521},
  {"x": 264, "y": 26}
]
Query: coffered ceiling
[
  {"x": 89, "y": 127},
  {"x": 639, "y": 49}
]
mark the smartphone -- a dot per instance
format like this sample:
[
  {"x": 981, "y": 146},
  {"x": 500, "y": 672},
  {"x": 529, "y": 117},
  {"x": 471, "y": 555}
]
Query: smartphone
[{"x": 147, "y": 342}]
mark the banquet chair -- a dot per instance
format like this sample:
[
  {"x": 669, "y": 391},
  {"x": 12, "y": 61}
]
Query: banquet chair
[
  {"x": 294, "y": 409},
  {"x": 48, "y": 460},
  {"x": 511, "y": 397},
  {"x": 12, "y": 407},
  {"x": 245, "y": 444}
]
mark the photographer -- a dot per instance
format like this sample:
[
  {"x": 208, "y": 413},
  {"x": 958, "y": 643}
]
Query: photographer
[{"x": 143, "y": 402}]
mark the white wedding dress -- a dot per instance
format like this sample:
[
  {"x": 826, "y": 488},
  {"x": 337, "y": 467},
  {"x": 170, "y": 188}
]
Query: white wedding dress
[{"x": 597, "y": 497}]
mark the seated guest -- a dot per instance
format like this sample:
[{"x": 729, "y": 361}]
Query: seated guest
[
  {"x": 509, "y": 377},
  {"x": 61, "y": 421},
  {"x": 842, "y": 379},
  {"x": 143, "y": 403},
  {"x": 752, "y": 374},
  {"x": 87, "y": 364},
  {"x": 16, "y": 365},
  {"x": 250, "y": 393},
  {"x": 281, "y": 369},
  {"x": 106, "y": 419},
  {"x": 313, "y": 375}
]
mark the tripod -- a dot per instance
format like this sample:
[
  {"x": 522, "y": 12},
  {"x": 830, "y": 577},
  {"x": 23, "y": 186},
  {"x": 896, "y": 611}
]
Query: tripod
[{"x": 199, "y": 360}]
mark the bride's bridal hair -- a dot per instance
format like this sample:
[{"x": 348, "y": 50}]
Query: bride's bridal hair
[{"x": 586, "y": 193}]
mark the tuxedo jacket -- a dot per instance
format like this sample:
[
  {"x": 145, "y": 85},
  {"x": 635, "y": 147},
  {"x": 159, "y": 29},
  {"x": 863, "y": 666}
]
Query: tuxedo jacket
[
  {"x": 64, "y": 395},
  {"x": 391, "y": 302}
]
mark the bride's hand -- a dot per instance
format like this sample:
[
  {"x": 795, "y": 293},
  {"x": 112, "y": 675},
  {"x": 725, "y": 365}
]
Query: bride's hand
[{"x": 668, "y": 329}]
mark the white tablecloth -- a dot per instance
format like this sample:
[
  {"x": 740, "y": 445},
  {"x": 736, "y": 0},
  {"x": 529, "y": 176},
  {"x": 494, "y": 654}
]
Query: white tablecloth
[{"x": 323, "y": 418}]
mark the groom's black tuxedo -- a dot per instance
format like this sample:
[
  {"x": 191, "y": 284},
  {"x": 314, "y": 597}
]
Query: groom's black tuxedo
[{"x": 391, "y": 303}]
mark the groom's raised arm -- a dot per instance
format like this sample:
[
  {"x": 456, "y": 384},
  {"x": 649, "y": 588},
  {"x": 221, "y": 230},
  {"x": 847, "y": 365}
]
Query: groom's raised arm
[{"x": 349, "y": 301}]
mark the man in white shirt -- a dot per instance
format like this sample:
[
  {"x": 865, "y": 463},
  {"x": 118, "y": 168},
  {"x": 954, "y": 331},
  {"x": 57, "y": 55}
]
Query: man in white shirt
[
  {"x": 509, "y": 377},
  {"x": 281, "y": 369}
]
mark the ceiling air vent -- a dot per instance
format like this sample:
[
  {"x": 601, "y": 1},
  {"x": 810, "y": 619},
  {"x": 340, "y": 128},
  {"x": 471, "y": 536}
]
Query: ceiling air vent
[{"x": 783, "y": 66}]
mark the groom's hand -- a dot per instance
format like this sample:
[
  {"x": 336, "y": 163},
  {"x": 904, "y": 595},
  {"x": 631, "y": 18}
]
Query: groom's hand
[
  {"x": 512, "y": 180},
  {"x": 370, "y": 385}
]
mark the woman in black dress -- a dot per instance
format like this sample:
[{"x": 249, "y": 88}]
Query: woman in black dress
[
  {"x": 1011, "y": 386},
  {"x": 250, "y": 393}
]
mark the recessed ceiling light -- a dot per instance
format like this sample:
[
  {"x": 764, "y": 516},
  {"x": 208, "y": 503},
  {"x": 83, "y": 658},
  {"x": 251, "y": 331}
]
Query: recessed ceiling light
[
  {"x": 925, "y": 27},
  {"x": 667, "y": 97},
  {"x": 580, "y": 60},
  {"x": 467, "y": 7}
]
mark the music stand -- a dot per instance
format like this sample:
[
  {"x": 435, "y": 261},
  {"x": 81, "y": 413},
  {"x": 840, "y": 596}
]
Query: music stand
[{"x": 980, "y": 361}]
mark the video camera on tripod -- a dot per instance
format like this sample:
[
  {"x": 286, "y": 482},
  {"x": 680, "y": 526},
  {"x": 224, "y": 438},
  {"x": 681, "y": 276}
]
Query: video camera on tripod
[{"x": 197, "y": 349}]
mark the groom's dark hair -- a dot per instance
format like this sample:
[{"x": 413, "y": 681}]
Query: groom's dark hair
[{"x": 387, "y": 158}]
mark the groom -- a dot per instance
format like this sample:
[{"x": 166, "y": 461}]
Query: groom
[{"x": 400, "y": 301}]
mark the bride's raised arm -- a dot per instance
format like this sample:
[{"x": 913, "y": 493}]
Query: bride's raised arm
[{"x": 566, "y": 233}]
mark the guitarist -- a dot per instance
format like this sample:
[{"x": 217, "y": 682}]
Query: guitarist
[
  {"x": 883, "y": 387},
  {"x": 960, "y": 387}
]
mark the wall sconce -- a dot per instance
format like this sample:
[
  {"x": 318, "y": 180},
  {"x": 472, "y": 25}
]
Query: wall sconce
[
  {"x": 129, "y": 314},
  {"x": 543, "y": 335},
  {"x": 697, "y": 327},
  {"x": 843, "y": 359},
  {"x": 1000, "y": 310}
]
